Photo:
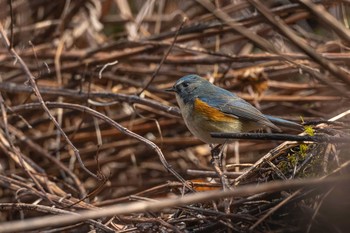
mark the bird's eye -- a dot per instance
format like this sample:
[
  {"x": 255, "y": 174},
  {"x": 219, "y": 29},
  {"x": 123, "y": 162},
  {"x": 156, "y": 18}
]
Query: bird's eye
[{"x": 185, "y": 84}]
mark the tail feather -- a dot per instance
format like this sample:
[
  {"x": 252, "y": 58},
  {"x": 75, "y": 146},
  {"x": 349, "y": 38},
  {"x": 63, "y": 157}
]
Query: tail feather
[{"x": 284, "y": 123}]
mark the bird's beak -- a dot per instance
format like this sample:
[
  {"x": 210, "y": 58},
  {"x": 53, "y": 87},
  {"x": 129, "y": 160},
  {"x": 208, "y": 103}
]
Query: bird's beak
[{"x": 172, "y": 89}]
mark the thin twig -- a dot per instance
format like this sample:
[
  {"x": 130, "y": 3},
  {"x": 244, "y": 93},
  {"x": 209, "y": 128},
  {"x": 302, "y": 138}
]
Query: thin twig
[
  {"x": 108, "y": 120},
  {"x": 164, "y": 57},
  {"x": 49, "y": 210},
  {"x": 35, "y": 88},
  {"x": 286, "y": 31},
  {"x": 282, "y": 137},
  {"x": 37, "y": 223}
]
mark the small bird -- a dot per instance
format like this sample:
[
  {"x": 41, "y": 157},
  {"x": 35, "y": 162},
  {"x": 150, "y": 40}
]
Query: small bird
[{"x": 207, "y": 108}]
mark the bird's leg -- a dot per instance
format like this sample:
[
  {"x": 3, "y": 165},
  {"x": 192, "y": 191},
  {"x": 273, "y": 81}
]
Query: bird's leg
[{"x": 216, "y": 153}]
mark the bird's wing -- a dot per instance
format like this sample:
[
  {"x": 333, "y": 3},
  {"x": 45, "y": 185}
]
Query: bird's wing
[{"x": 231, "y": 104}]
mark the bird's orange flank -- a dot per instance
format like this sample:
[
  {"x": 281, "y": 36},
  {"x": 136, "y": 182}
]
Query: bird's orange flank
[{"x": 211, "y": 113}]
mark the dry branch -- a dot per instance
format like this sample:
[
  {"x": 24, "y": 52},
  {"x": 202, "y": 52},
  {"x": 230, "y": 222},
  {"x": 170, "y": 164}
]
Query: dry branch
[{"x": 82, "y": 96}]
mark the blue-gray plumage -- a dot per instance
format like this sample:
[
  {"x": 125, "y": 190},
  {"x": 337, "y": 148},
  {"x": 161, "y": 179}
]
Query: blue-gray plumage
[{"x": 208, "y": 108}]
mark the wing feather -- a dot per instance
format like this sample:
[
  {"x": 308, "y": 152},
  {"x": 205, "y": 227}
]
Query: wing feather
[{"x": 231, "y": 104}]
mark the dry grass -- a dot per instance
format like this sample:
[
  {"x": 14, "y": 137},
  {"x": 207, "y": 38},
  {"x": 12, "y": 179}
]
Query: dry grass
[{"x": 85, "y": 80}]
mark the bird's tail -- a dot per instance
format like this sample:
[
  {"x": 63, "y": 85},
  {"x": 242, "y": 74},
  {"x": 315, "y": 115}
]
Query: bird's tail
[{"x": 284, "y": 123}]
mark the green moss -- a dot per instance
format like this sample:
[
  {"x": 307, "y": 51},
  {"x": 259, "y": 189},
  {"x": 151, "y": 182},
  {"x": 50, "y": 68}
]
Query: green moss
[
  {"x": 303, "y": 149},
  {"x": 309, "y": 130},
  {"x": 307, "y": 160},
  {"x": 293, "y": 159},
  {"x": 283, "y": 166}
]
